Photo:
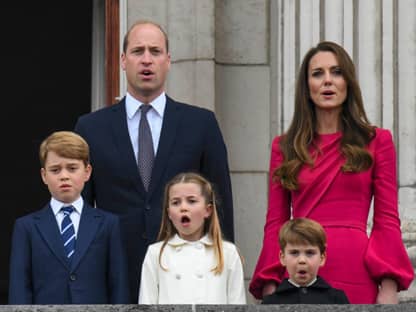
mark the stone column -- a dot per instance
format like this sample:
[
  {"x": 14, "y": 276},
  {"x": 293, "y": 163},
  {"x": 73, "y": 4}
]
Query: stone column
[{"x": 243, "y": 107}]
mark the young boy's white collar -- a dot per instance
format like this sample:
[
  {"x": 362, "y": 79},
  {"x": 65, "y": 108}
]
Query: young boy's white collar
[
  {"x": 56, "y": 205},
  {"x": 298, "y": 286}
]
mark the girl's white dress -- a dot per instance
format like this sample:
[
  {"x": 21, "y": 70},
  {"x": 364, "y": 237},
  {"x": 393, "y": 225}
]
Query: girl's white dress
[{"x": 188, "y": 278}]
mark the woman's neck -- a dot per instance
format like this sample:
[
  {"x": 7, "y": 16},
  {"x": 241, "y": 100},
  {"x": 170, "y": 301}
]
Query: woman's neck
[{"x": 327, "y": 121}]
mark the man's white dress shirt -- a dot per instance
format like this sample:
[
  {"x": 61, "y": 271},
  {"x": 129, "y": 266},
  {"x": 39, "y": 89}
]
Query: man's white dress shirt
[
  {"x": 154, "y": 118},
  {"x": 187, "y": 278}
]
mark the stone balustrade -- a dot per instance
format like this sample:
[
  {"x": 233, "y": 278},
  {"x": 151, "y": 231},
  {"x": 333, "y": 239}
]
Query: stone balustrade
[{"x": 403, "y": 307}]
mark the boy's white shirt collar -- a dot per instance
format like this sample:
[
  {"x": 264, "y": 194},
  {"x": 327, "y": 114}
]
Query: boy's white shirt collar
[
  {"x": 56, "y": 205},
  {"x": 133, "y": 105},
  {"x": 176, "y": 241},
  {"x": 298, "y": 286}
]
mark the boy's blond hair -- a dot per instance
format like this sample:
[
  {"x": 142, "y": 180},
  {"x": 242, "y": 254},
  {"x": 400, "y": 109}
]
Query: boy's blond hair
[
  {"x": 302, "y": 231},
  {"x": 66, "y": 144}
]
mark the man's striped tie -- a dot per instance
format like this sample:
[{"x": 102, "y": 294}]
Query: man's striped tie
[{"x": 68, "y": 232}]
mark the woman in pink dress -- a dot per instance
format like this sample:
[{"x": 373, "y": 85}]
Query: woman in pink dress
[{"x": 329, "y": 166}]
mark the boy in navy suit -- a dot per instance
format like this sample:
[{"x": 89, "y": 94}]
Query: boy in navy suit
[
  {"x": 68, "y": 252},
  {"x": 303, "y": 252}
]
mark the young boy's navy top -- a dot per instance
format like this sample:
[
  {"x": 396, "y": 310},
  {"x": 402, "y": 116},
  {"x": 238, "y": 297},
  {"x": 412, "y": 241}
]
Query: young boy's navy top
[
  {"x": 41, "y": 274},
  {"x": 320, "y": 292}
]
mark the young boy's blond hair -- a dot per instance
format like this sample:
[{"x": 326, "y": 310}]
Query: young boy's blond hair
[
  {"x": 66, "y": 144},
  {"x": 302, "y": 231}
]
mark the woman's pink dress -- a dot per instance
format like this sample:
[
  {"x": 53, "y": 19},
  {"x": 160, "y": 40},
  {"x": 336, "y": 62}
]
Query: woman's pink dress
[{"x": 356, "y": 262}]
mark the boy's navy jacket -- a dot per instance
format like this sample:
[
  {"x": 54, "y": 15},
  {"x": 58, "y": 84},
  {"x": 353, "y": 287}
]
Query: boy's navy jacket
[
  {"x": 41, "y": 274},
  {"x": 319, "y": 292}
]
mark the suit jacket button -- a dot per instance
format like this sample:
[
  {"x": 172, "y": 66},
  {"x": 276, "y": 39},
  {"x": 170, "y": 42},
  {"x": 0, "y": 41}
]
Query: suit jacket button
[
  {"x": 72, "y": 277},
  {"x": 147, "y": 207}
]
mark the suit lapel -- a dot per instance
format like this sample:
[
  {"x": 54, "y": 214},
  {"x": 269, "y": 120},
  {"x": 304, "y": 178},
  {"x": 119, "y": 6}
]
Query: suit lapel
[
  {"x": 88, "y": 226},
  {"x": 45, "y": 222},
  {"x": 123, "y": 144},
  {"x": 170, "y": 124}
]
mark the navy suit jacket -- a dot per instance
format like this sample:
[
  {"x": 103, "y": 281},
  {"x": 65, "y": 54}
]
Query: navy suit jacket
[
  {"x": 41, "y": 274},
  {"x": 190, "y": 140},
  {"x": 319, "y": 292}
]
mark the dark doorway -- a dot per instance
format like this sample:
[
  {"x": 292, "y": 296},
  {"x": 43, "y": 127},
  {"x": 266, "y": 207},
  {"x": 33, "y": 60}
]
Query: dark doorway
[{"x": 46, "y": 84}]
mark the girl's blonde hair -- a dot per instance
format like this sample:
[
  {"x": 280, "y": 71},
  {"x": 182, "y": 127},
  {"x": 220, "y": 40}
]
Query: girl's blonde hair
[{"x": 211, "y": 225}]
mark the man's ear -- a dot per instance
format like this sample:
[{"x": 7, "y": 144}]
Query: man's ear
[{"x": 123, "y": 61}]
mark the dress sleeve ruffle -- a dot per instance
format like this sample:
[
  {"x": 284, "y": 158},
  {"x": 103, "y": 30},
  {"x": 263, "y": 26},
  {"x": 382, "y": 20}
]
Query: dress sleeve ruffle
[
  {"x": 386, "y": 255},
  {"x": 268, "y": 266}
]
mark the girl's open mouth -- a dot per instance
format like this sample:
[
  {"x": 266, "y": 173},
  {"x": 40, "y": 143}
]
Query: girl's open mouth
[{"x": 185, "y": 220}]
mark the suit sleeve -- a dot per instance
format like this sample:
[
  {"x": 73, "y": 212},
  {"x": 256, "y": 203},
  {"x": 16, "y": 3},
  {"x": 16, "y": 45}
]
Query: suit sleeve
[
  {"x": 342, "y": 298},
  {"x": 386, "y": 256},
  {"x": 149, "y": 284},
  {"x": 268, "y": 266},
  {"x": 20, "y": 285},
  {"x": 215, "y": 168},
  {"x": 88, "y": 190},
  {"x": 117, "y": 269}
]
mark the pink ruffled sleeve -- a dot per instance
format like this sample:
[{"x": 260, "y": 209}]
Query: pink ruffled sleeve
[
  {"x": 268, "y": 266},
  {"x": 386, "y": 255}
]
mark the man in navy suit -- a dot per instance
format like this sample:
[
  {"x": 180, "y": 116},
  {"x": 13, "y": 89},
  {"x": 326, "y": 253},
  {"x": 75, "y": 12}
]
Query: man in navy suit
[
  {"x": 71, "y": 255},
  {"x": 184, "y": 137}
]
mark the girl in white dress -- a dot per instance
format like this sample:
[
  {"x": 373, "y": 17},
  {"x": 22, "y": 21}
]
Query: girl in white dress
[{"x": 191, "y": 263}]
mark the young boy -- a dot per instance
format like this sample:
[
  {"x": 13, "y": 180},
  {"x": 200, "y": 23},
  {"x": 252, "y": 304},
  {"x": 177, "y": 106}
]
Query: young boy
[
  {"x": 302, "y": 252},
  {"x": 68, "y": 252}
]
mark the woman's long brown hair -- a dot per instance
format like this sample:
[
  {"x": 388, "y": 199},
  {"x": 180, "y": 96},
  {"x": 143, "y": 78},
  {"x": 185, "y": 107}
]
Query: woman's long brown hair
[{"x": 357, "y": 131}]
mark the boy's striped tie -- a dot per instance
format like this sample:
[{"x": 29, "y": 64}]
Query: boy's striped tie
[{"x": 68, "y": 232}]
